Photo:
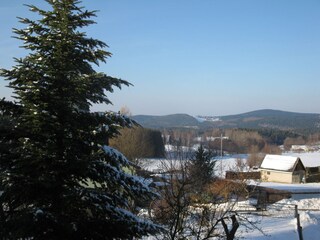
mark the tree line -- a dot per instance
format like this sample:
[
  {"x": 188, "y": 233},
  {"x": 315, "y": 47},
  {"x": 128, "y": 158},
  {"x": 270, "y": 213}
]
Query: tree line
[
  {"x": 137, "y": 142},
  {"x": 240, "y": 140}
]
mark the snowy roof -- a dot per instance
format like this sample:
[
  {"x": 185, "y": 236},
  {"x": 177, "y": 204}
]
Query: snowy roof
[{"x": 279, "y": 162}]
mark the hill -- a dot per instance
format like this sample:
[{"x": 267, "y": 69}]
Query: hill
[
  {"x": 266, "y": 118},
  {"x": 167, "y": 121}
]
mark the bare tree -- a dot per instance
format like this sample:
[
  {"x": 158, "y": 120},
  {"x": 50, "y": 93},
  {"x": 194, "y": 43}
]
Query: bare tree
[
  {"x": 186, "y": 215},
  {"x": 124, "y": 110},
  {"x": 230, "y": 233},
  {"x": 241, "y": 164},
  {"x": 137, "y": 143},
  {"x": 171, "y": 209},
  {"x": 289, "y": 141}
]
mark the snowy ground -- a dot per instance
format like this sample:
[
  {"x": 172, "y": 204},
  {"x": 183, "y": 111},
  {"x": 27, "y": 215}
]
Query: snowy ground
[{"x": 279, "y": 221}]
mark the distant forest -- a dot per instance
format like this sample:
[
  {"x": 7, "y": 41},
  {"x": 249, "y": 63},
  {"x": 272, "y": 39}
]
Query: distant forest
[
  {"x": 240, "y": 140},
  {"x": 139, "y": 142}
]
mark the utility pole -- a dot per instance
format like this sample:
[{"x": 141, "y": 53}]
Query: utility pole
[
  {"x": 221, "y": 145},
  {"x": 221, "y": 153},
  {"x": 221, "y": 167}
]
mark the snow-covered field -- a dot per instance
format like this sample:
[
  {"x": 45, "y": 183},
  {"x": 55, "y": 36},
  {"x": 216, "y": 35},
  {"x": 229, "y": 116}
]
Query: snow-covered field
[{"x": 278, "y": 222}]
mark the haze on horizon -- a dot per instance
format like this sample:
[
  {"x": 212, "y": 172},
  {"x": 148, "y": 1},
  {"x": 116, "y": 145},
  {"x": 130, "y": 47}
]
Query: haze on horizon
[{"x": 199, "y": 57}]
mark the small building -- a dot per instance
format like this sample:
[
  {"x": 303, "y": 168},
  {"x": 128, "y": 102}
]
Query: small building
[
  {"x": 282, "y": 169},
  {"x": 231, "y": 175}
]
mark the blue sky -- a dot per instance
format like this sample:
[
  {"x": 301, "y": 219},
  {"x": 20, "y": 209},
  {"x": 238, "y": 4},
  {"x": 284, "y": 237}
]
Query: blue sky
[{"x": 208, "y": 57}]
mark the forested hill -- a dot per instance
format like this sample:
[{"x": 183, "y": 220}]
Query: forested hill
[
  {"x": 256, "y": 119},
  {"x": 167, "y": 121}
]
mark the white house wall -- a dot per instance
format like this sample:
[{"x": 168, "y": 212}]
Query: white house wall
[{"x": 276, "y": 176}]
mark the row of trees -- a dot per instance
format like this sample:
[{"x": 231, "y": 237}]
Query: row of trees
[
  {"x": 235, "y": 141},
  {"x": 240, "y": 140},
  {"x": 137, "y": 143}
]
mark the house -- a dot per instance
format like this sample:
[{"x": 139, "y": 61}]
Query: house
[{"x": 282, "y": 169}]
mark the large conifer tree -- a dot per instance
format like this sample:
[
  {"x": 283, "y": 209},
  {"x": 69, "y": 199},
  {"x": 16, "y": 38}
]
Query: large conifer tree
[{"x": 53, "y": 149}]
